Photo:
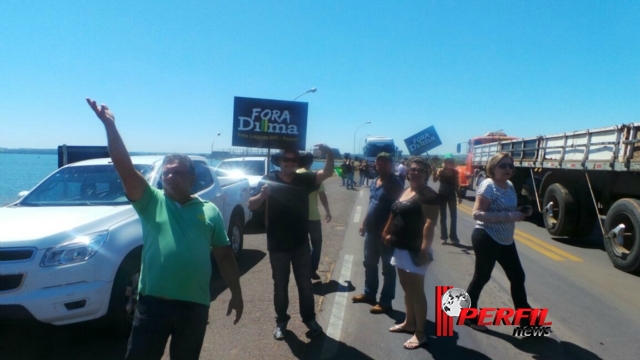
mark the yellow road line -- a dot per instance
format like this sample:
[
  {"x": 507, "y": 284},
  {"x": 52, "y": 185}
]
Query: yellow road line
[
  {"x": 535, "y": 243},
  {"x": 548, "y": 246},
  {"x": 539, "y": 249}
]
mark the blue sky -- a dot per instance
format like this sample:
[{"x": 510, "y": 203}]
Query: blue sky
[{"x": 169, "y": 70}]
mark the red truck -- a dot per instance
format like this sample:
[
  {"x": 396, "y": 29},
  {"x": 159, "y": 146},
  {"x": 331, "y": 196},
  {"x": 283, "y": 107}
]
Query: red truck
[{"x": 574, "y": 179}]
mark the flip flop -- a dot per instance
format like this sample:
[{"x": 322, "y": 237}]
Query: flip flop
[
  {"x": 412, "y": 345},
  {"x": 399, "y": 329}
]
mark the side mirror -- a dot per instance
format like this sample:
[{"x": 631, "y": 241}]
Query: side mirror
[
  {"x": 458, "y": 148},
  {"x": 22, "y": 194}
]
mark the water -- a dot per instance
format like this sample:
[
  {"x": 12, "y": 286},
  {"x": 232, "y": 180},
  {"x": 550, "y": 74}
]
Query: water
[{"x": 21, "y": 172}]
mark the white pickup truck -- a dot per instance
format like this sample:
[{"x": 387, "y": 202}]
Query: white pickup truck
[
  {"x": 253, "y": 168},
  {"x": 70, "y": 248}
]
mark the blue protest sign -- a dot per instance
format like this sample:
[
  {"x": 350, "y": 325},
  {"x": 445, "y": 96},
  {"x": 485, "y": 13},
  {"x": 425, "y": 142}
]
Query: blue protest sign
[{"x": 423, "y": 141}]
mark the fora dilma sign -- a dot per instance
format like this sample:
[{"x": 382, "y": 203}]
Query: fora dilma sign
[{"x": 264, "y": 123}]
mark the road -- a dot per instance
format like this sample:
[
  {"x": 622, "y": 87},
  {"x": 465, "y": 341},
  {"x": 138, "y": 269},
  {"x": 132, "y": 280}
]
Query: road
[{"x": 593, "y": 306}]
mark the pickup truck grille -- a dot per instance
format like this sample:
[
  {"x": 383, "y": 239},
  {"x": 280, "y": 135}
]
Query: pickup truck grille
[
  {"x": 15, "y": 254},
  {"x": 10, "y": 282}
]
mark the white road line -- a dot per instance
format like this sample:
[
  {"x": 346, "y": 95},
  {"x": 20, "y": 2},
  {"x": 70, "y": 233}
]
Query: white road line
[
  {"x": 337, "y": 314},
  {"x": 356, "y": 216},
  {"x": 361, "y": 192}
]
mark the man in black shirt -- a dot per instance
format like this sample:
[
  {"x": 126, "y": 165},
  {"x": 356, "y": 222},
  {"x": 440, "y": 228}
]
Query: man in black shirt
[{"x": 287, "y": 212}]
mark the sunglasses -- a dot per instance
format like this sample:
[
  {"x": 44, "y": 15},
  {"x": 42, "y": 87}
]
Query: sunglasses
[
  {"x": 504, "y": 166},
  {"x": 286, "y": 159},
  {"x": 418, "y": 170}
]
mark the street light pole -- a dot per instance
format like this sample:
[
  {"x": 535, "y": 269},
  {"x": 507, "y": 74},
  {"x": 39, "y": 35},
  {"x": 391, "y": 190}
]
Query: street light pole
[
  {"x": 354, "y": 136},
  {"x": 312, "y": 90},
  {"x": 214, "y": 141},
  {"x": 360, "y": 142}
]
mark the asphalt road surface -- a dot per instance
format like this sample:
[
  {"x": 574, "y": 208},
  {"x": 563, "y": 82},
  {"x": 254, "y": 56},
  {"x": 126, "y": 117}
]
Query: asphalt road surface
[{"x": 593, "y": 307}]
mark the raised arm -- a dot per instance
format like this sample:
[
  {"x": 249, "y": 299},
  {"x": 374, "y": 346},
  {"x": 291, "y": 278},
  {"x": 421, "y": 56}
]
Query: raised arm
[
  {"x": 134, "y": 183},
  {"x": 327, "y": 171}
]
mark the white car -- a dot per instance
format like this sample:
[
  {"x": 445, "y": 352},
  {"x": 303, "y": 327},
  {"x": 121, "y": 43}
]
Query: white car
[
  {"x": 253, "y": 168},
  {"x": 70, "y": 248}
]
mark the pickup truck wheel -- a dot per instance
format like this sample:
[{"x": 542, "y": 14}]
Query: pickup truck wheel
[
  {"x": 559, "y": 212},
  {"x": 624, "y": 251},
  {"x": 236, "y": 236},
  {"x": 124, "y": 295}
]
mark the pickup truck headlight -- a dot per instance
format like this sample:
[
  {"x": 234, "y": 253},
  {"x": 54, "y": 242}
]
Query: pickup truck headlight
[{"x": 77, "y": 250}]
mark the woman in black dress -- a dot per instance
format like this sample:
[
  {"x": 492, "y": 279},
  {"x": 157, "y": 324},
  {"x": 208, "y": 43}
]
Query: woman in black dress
[{"x": 410, "y": 230}]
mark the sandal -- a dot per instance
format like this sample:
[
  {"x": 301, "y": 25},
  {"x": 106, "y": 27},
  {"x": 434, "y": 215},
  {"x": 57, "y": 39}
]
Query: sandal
[
  {"x": 412, "y": 344},
  {"x": 400, "y": 329}
]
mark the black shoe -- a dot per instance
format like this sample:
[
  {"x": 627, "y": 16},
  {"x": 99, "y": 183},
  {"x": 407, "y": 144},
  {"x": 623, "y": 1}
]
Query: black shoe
[
  {"x": 281, "y": 328},
  {"x": 315, "y": 276},
  {"x": 314, "y": 328}
]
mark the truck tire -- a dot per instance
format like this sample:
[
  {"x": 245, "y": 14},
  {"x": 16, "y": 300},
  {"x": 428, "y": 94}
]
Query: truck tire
[
  {"x": 236, "y": 235},
  {"x": 625, "y": 257},
  {"x": 561, "y": 220},
  {"x": 124, "y": 294}
]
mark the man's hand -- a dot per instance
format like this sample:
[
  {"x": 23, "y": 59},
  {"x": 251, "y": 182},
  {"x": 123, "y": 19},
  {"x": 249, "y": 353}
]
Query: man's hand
[
  {"x": 328, "y": 217},
  {"x": 459, "y": 200},
  {"x": 102, "y": 112},
  {"x": 265, "y": 191},
  {"x": 361, "y": 230},
  {"x": 236, "y": 304},
  {"x": 324, "y": 148}
]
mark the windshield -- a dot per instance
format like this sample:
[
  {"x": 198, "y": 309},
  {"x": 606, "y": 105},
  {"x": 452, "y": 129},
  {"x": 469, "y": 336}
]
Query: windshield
[
  {"x": 82, "y": 185},
  {"x": 372, "y": 150},
  {"x": 245, "y": 167}
]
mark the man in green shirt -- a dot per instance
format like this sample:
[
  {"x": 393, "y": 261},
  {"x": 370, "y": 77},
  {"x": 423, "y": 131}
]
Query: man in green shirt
[
  {"x": 179, "y": 232},
  {"x": 315, "y": 227}
]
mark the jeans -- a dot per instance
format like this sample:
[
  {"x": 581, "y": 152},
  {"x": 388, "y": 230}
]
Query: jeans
[
  {"x": 362, "y": 178},
  {"x": 155, "y": 319},
  {"x": 315, "y": 235},
  {"x": 281, "y": 264},
  {"x": 344, "y": 179},
  {"x": 402, "y": 179},
  {"x": 350, "y": 182},
  {"x": 453, "y": 211},
  {"x": 488, "y": 251},
  {"x": 374, "y": 250}
]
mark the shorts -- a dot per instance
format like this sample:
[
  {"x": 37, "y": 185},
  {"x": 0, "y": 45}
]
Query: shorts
[{"x": 402, "y": 260}]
